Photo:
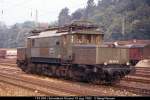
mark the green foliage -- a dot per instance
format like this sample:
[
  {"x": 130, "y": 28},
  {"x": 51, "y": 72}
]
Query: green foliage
[
  {"x": 89, "y": 9},
  {"x": 77, "y": 14},
  {"x": 110, "y": 15},
  {"x": 64, "y": 17},
  {"x": 16, "y": 35},
  {"x": 132, "y": 16}
]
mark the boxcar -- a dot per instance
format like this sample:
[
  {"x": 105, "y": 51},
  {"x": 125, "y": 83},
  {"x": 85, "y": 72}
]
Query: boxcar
[
  {"x": 2, "y": 53},
  {"x": 139, "y": 52}
]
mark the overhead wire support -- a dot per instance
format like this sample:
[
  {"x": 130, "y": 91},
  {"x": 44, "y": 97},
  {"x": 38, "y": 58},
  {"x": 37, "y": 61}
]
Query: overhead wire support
[
  {"x": 36, "y": 18},
  {"x": 2, "y": 11}
]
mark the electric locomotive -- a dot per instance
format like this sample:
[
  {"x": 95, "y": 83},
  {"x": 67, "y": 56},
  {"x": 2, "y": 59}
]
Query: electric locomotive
[{"x": 75, "y": 52}]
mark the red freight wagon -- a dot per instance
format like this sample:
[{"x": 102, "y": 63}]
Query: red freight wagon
[
  {"x": 2, "y": 54},
  {"x": 139, "y": 52},
  {"x": 135, "y": 53}
]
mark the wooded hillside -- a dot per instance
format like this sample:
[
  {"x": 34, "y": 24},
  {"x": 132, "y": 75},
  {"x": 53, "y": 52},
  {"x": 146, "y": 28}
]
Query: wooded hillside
[{"x": 119, "y": 19}]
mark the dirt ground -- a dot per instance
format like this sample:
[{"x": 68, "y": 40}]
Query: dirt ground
[{"x": 10, "y": 90}]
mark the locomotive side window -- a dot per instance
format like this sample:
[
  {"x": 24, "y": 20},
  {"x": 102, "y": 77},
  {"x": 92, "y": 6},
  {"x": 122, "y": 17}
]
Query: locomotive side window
[
  {"x": 88, "y": 38},
  {"x": 57, "y": 43},
  {"x": 64, "y": 40},
  {"x": 79, "y": 40},
  {"x": 72, "y": 39},
  {"x": 33, "y": 42},
  {"x": 84, "y": 39}
]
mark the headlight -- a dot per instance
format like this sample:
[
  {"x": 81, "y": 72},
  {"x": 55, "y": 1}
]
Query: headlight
[
  {"x": 127, "y": 63},
  {"x": 105, "y": 63}
]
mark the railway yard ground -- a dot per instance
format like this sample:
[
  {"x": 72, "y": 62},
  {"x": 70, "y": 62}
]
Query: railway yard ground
[{"x": 14, "y": 82}]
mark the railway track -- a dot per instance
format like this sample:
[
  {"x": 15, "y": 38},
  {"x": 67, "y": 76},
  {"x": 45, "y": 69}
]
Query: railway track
[
  {"x": 8, "y": 64},
  {"x": 24, "y": 87},
  {"x": 134, "y": 89},
  {"x": 136, "y": 82},
  {"x": 52, "y": 86},
  {"x": 79, "y": 92},
  {"x": 142, "y": 75},
  {"x": 146, "y": 72},
  {"x": 142, "y": 72},
  {"x": 70, "y": 90},
  {"x": 137, "y": 79},
  {"x": 143, "y": 68},
  {"x": 12, "y": 61},
  {"x": 32, "y": 86}
]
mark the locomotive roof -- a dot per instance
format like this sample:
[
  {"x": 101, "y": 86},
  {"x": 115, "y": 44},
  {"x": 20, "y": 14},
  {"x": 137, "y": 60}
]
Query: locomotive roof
[
  {"x": 83, "y": 23},
  {"x": 55, "y": 33},
  {"x": 48, "y": 34},
  {"x": 76, "y": 27},
  {"x": 88, "y": 32}
]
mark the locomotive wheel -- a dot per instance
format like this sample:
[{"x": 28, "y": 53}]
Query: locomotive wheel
[
  {"x": 63, "y": 73},
  {"x": 92, "y": 78},
  {"x": 27, "y": 70},
  {"x": 39, "y": 69},
  {"x": 69, "y": 74},
  {"x": 23, "y": 68},
  {"x": 122, "y": 74},
  {"x": 58, "y": 72},
  {"x": 116, "y": 77},
  {"x": 53, "y": 68},
  {"x": 19, "y": 64},
  {"x": 76, "y": 76},
  {"x": 32, "y": 68},
  {"x": 108, "y": 79},
  {"x": 49, "y": 71}
]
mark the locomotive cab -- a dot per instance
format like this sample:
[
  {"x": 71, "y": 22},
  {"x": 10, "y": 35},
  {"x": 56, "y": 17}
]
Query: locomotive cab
[
  {"x": 80, "y": 33},
  {"x": 79, "y": 38}
]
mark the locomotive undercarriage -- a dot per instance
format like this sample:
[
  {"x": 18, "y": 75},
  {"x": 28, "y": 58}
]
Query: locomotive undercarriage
[{"x": 97, "y": 74}]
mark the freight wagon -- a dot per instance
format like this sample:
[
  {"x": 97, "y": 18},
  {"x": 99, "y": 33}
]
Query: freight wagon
[
  {"x": 2, "y": 53},
  {"x": 139, "y": 52}
]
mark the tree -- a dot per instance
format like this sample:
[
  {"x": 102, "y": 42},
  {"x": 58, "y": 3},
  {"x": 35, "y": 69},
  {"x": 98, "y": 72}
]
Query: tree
[
  {"x": 89, "y": 9},
  {"x": 64, "y": 17},
  {"x": 77, "y": 14},
  {"x": 106, "y": 2},
  {"x": 148, "y": 2}
]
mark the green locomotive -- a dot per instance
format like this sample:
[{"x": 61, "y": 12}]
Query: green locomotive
[{"x": 76, "y": 52}]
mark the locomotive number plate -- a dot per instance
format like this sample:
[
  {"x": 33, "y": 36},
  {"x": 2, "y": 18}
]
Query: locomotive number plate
[{"x": 51, "y": 51}]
